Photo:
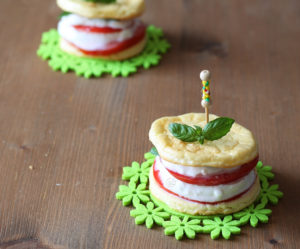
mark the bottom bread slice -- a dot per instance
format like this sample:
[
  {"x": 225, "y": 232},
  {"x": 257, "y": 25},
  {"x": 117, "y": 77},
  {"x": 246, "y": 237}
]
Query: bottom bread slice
[
  {"x": 122, "y": 55},
  {"x": 185, "y": 206}
]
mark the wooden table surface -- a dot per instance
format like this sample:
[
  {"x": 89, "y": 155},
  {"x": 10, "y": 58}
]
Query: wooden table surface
[{"x": 78, "y": 133}]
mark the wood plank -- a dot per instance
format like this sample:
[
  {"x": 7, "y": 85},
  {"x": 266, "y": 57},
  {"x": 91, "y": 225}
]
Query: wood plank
[{"x": 24, "y": 244}]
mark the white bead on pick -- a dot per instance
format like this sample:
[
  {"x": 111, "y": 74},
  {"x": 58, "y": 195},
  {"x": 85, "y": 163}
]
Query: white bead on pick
[{"x": 206, "y": 102}]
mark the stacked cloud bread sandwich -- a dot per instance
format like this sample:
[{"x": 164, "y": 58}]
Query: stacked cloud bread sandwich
[
  {"x": 104, "y": 29},
  {"x": 215, "y": 177}
]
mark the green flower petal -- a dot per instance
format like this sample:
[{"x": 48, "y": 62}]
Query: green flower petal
[
  {"x": 234, "y": 230},
  {"x": 149, "y": 222},
  {"x": 215, "y": 233},
  {"x": 262, "y": 217},
  {"x": 265, "y": 185},
  {"x": 134, "y": 178},
  {"x": 127, "y": 200},
  {"x": 143, "y": 179},
  {"x": 169, "y": 223},
  {"x": 148, "y": 156},
  {"x": 208, "y": 228},
  {"x": 233, "y": 223},
  {"x": 158, "y": 220},
  {"x": 124, "y": 188},
  {"x": 132, "y": 185},
  {"x": 135, "y": 166},
  {"x": 128, "y": 171},
  {"x": 269, "y": 175},
  {"x": 140, "y": 219},
  {"x": 189, "y": 233},
  {"x": 259, "y": 164},
  {"x": 179, "y": 233},
  {"x": 262, "y": 178},
  {"x": 244, "y": 219},
  {"x": 227, "y": 218},
  {"x": 277, "y": 193},
  {"x": 264, "y": 199},
  {"x": 196, "y": 228},
  {"x": 273, "y": 187},
  {"x": 253, "y": 221},
  {"x": 142, "y": 208},
  {"x": 240, "y": 214},
  {"x": 164, "y": 215},
  {"x": 121, "y": 195},
  {"x": 218, "y": 220},
  {"x": 260, "y": 206},
  {"x": 145, "y": 166},
  {"x": 135, "y": 200},
  {"x": 264, "y": 211},
  {"x": 194, "y": 222},
  {"x": 158, "y": 209},
  {"x": 170, "y": 230},
  {"x": 226, "y": 233},
  {"x": 150, "y": 206},
  {"x": 175, "y": 219},
  {"x": 143, "y": 198},
  {"x": 185, "y": 219},
  {"x": 144, "y": 192},
  {"x": 141, "y": 187},
  {"x": 136, "y": 212},
  {"x": 273, "y": 199},
  {"x": 267, "y": 168},
  {"x": 209, "y": 222}
]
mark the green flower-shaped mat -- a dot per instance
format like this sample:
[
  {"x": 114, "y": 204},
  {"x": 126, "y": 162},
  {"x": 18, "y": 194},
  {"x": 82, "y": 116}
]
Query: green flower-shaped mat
[
  {"x": 150, "y": 211},
  {"x": 88, "y": 67}
]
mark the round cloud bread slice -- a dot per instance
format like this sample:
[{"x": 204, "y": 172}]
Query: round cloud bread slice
[
  {"x": 234, "y": 149},
  {"x": 124, "y": 54},
  {"x": 193, "y": 208},
  {"x": 120, "y": 10}
]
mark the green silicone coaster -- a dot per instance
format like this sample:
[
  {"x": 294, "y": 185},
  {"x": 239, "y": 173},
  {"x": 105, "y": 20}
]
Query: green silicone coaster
[
  {"x": 150, "y": 211},
  {"x": 88, "y": 67}
]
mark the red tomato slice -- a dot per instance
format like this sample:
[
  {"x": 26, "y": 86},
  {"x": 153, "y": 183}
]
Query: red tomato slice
[
  {"x": 217, "y": 179},
  {"x": 93, "y": 29},
  {"x": 115, "y": 47},
  {"x": 158, "y": 180}
]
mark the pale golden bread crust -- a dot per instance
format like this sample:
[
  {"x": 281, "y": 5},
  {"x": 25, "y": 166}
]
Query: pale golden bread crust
[
  {"x": 234, "y": 149},
  {"x": 125, "y": 54},
  {"x": 120, "y": 10},
  {"x": 193, "y": 208}
]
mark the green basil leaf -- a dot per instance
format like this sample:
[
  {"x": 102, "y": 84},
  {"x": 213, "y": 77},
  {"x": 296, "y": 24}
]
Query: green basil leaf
[
  {"x": 64, "y": 13},
  {"x": 217, "y": 128},
  {"x": 201, "y": 139},
  {"x": 154, "y": 151},
  {"x": 183, "y": 132}
]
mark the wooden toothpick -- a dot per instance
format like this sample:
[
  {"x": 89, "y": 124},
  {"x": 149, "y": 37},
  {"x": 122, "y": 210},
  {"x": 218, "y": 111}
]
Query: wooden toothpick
[{"x": 205, "y": 76}]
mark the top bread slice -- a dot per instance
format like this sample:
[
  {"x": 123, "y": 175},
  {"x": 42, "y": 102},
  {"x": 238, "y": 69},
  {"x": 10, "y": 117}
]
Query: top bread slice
[
  {"x": 237, "y": 147},
  {"x": 119, "y": 10}
]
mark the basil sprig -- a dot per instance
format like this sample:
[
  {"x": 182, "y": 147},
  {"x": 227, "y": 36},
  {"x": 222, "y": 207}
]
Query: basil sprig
[{"x": 213, "y": 130}]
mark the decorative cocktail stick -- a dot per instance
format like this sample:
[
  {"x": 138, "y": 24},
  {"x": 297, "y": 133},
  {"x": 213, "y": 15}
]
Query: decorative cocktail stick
[{"x": 205, "y": 76}]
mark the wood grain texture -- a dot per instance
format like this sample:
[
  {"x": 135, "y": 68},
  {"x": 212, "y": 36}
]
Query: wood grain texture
[
  {"x": 24, "y": 244},
  {"x": 77, "y": 133}
]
